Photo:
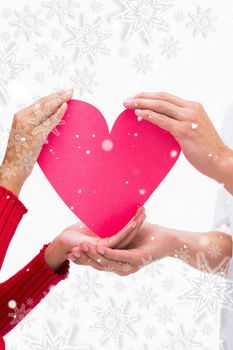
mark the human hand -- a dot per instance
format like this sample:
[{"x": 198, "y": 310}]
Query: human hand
[
  {"x": 150, "y": 243},
  {"x": 57, "y": 252},
  {"x": 189, "y": 123},
  {"x": 29, "y": 131}
]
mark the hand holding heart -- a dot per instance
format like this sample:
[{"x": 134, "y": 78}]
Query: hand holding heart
[{"x": 57, "y": 252}]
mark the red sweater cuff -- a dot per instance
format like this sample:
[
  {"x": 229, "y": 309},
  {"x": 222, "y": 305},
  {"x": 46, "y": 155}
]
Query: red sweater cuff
[
  {"x": 27, "y": 288},
  {"x": 11, "y": 212}
]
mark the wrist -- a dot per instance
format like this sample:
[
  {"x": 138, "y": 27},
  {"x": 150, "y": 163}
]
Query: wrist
[
  {"x": 223, "y": 165},
  {"x": 55, "y": 254},
  {"x": 14, "y": 184}
]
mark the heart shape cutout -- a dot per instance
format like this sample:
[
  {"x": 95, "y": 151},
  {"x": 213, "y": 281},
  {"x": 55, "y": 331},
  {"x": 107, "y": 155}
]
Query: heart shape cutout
[{"x": 104, "y": 177}]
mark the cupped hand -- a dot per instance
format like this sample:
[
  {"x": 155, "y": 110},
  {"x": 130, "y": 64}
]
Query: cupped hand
[
  {"x": 150, "y": 243},
  {"x": 30, "y": 129},
  {"x": 73, "y": 236},
  {"x": 189, "y": 123}
]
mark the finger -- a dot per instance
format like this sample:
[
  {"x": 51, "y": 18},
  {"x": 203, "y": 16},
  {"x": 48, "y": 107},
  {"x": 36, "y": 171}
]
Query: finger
[
  {"x": 80, "y": 258},
  {"x": 158, "y": 106},
  {"x": 128, "y": 238},
  {"x": 94, "y": 255},
  {"x": 125, "y": 256},
  {"x": 116, "y": 239},
  {"x": 55, "y": 119},
  {"x": 160, "y": 120},
  {"x": 48, "y": 105},
  {"x": 163, "y": 96}
]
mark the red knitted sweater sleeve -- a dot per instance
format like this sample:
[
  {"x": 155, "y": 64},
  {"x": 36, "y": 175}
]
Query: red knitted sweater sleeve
[{"x": 23, "y": 291}]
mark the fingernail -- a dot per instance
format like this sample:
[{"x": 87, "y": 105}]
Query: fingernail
[
  {"x": 77, "y": 254},
  {"x": 85, "y": 248},
  {"x": 68, "y": 92},
  {"x": 138, "y": 111},
  {"x": 100, "y": 250}
]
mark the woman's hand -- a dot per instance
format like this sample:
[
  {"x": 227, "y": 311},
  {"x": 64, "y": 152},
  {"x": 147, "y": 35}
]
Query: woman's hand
[
  {"x": 70, "y": 239},
  {"x": 29, "y": 131},
  {"x": 151, "y": 242},
  {"x": 189, "y": 123}
]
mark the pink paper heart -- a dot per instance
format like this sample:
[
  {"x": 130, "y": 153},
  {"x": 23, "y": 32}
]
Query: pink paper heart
[{"x": 105, "y": 177}]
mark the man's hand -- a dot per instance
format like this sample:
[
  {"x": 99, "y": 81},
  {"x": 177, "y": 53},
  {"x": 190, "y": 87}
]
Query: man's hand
[
  {"x": 189, "y": 123},
  {"x": 29, "y": 131},
  {"x": 74, "y": 235},
  {"x": 151, "y": 242}
]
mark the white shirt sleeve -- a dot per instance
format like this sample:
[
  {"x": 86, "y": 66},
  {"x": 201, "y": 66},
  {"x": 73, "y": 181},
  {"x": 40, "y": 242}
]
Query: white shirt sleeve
[{"x": 224, "y": 205}]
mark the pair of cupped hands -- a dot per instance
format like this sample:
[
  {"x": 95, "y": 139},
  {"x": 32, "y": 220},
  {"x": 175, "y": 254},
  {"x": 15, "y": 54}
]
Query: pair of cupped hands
[{"x": 139, "y": 242}]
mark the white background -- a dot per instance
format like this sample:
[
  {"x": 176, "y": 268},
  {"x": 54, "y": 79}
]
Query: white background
[{"x": 201, "y": 70}]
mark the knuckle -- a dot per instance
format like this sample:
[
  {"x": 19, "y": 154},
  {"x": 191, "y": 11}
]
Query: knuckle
[
  {"x": 162, "y": 94},
  {"x": 17, "y": 116}
]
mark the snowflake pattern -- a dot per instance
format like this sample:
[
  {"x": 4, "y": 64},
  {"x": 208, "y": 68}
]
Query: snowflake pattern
[
  {"x": 8, "y": 169},
  {"x": 214, "y": 250},
  {"x": 28, "y": 22},
  {"x": 143, "y": 16},
  {"x": 170, "y": 47},
  {"x": 9, "y": 69},
  {"x": 61, "y": 9},
  {"x": 202, "y": 22},
  {"x": 89, "y": 40},
  {"x": 18, "y": 137},
  {"x": 210, "y": 291},
  {"x": 113, "y": 322},
  {"x": 182, "y": 254},
  {"x": 181, "y": 340},
  {"x": 143, "y": 64},
  {"x": 86, "y": 286},
  {"x": 84, "y": 81},
  {"x": 145, "y": 297},
  {"x": 19, "y": 314},
  {"x": 42, "y": 50},
  {"x": 96, "y": 6},
  {"x": 165, "y": 314}
]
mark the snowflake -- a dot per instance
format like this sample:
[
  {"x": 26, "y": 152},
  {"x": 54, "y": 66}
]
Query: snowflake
[
  {"x": 50, "y": 340},
  {"x": 179, "y": 17},
  {"x": 5, "y": 36},
  {"x": 61, "y": 9},
  {"x": 8, "y": 169},
  {"x": 28, "y": 22},
  {"x": 170, "y": 47},
  {"x": 182, "y": 254},
  {"x": 26, "y": 160},
  {"x": 86, "y": 286},
  {"x": 30, "y": 301},
  {"x": 210, "y": 291},
  {"x": 181, "y": 340},
  {"x": 214, "y": 250},
  {"x": 42, "y": 50},
  {"x": 89, "y": 39},
  {"x": 113, "y": 322},
  {"x": 50, "y": 125},
  {"x": 168, "y": 284},
  {"x": 96, "y": 6},
  {"x": 126, "y": 267},
  {"x": 145, "y": 297},
  {"x": 39, "y": 77},
  {"x": 202, "y": 22},
  {"x": 6, "y": 12},
  {"x": 9, "y": 69},
  {"x": 120, "y": 286},
  {"x": 18, "y": 314},
  {"x": 165, "y": 314},
  {"x": 207, "y": 329},
  {"x": 58, "y": 65},
  {"x": 143, "y": 63},
  {"x": 56, "y": 301},
  {"x": 150, "y": 266},
  {"x": 143, "y": 17},
  {"x": 55, "y": 34},
  {"x": 75, "y": 313},
  {"x": 40, "y": 115},
  {"x": 150, "y": 332},
  {"x": 84, "y": 81},
  {"x": 123, "y": 51},
  {"x": 18, "y": 137}
]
